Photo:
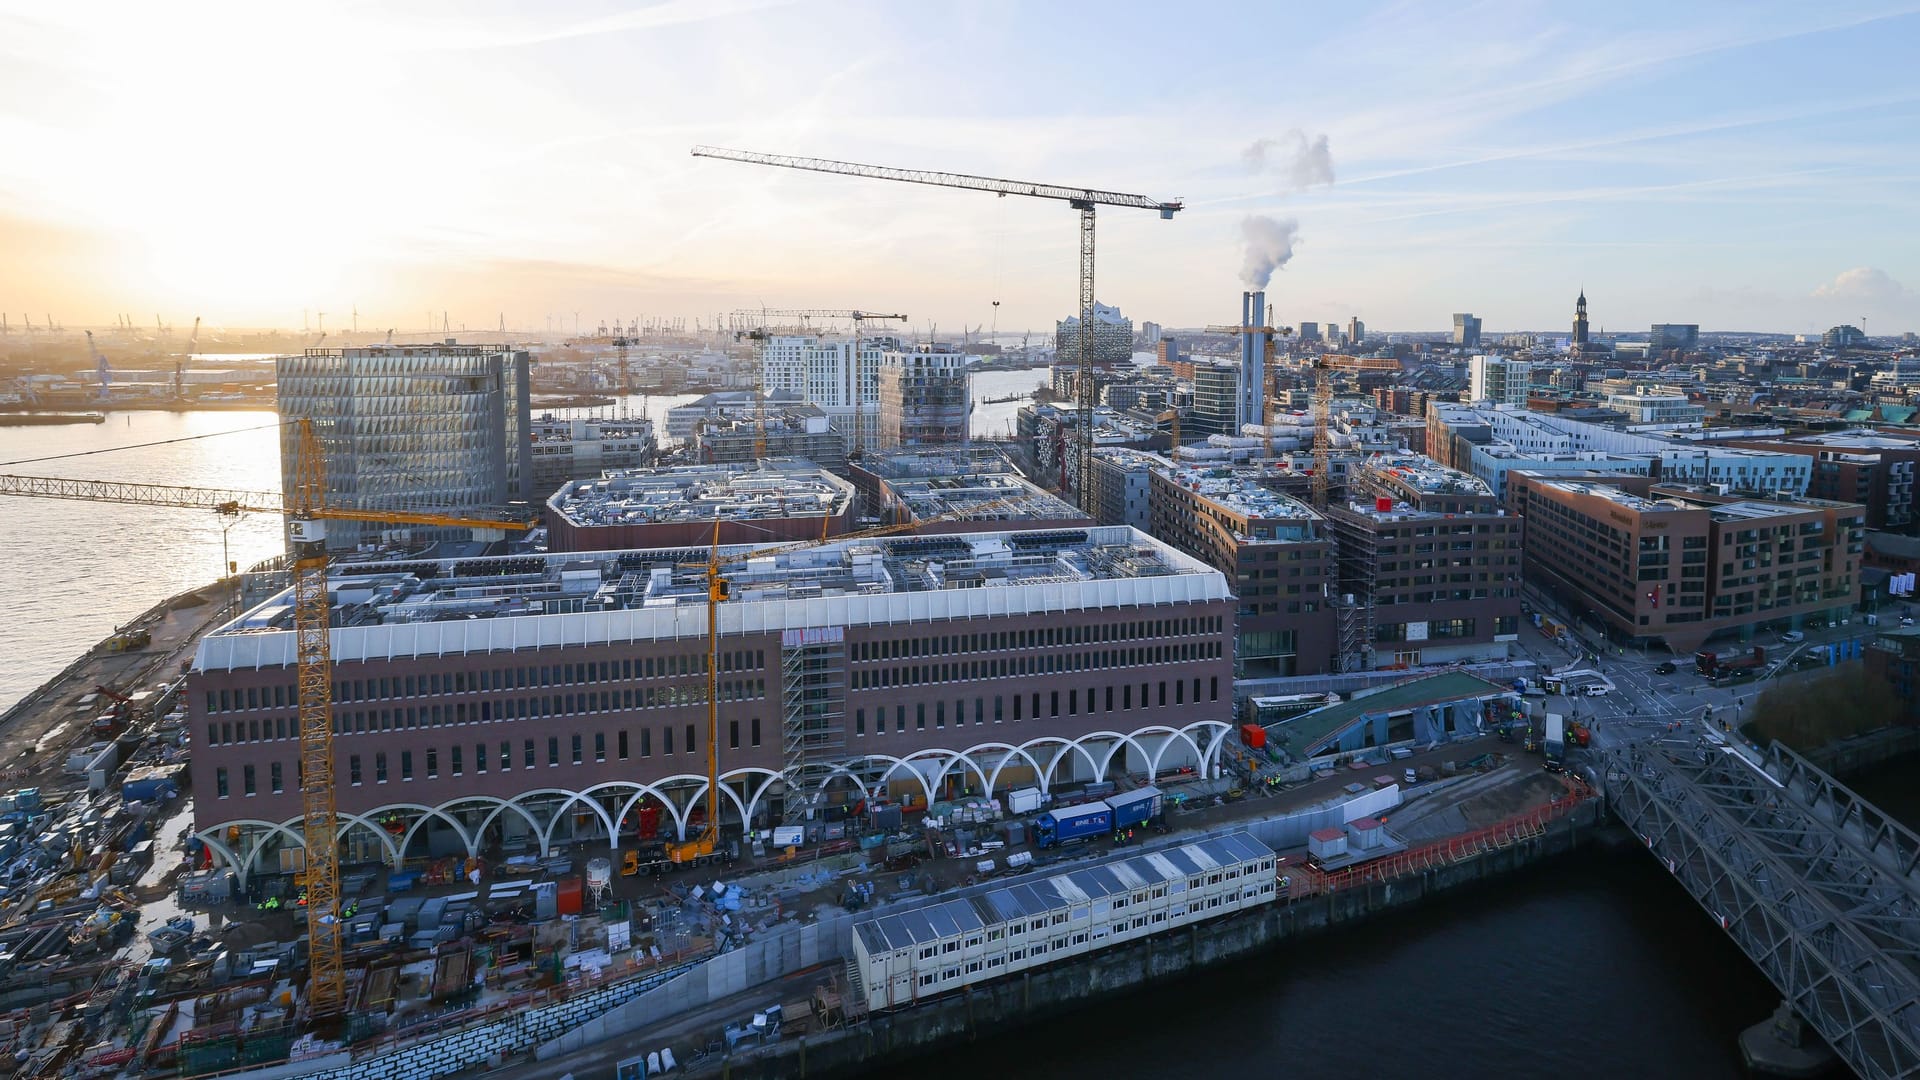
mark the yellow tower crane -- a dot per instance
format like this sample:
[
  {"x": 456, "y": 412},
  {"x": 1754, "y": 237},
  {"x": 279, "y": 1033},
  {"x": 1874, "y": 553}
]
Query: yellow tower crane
[
  {"x": 1084, "y": 200},
  {"x": 307, "y": 511},
  {"x": 702, "y": 847}
]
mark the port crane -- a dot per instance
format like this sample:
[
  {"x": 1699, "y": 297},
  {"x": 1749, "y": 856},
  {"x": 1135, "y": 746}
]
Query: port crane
[
  {"x": 179, "y": 375},
  {"x": 307, "y": 511},
  {"x": 100, "y": 368},
  {"x": 1084, "y": 200},
  {"x": 850, "y": 390}
]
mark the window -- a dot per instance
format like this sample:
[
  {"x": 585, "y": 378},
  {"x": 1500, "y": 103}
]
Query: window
[
  {"x": 599, "y": 746},
  {"x": 622, "y": 744},
  {"x": 480, "y": 757},
  {"x": 733, "y": 734},
  {"x": 220, "y": 778},
  {"x": 380, "y": 767},
  {"x": 455, "y": 761},
  {"x": 666, "y": 740},
  {"x": 577, "y": 755},
  {"x": 433, "y": 764},
  {"x": 353, "y": 770},
  {"x": 859, "y": 723},
  {"x": 691, "y": 745},
  {"x": 406, "y": 765},
  {"x": 553, "y": 751},
  {"x": 506, "y": 756},
  {"x": 530, "y": 758}
]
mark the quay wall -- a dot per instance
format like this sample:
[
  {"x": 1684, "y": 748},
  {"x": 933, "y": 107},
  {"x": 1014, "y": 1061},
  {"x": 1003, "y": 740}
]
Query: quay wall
[{"x": 994, "y": 1008}]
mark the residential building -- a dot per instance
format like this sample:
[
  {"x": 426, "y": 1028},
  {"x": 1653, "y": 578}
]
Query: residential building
[
  {"x": 1431, "y": 561},
  {"x": 1122, "y": 486},
  {"x": 1277, "y": 555},
  {"x": 1216, "y": 399},
  {"x": 1466, "y": 330},
  {"x": 1488, "y": 442},
  {"x": 842, "y": 380},
  {"x": 1650, "y": 407},
  {"x": 1873, "y": 468},
  {"x": 787, "y": 431},
  {"x": 683, "y": 506},
  {"x": 1167, "y": 351},
  {"x": 921, "y": 666},
  {"x": 1681, "y": 565},
  {"x": 923, "y": 397},
  {"x": 439, "y": 428},
  {"x": 1498, "y": 380},
  {"x": 1309, "y": 332},
  {"x": 962, "y": 487}
]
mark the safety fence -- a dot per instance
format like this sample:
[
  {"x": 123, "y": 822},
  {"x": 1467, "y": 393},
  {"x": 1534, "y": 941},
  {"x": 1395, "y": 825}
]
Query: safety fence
[{"x": 1305, "y": 880}]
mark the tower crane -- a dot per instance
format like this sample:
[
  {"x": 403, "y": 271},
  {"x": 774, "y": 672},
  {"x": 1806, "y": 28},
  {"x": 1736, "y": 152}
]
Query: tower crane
[
  {"x": 1081, "y": 199},
  {"x": 850, "y": 390},
  {"x": 100, "y": 367},
  {"x": 702, "y": 846},
  {"x": 1267, "y": 392},
  {"x": 307, "y": 511}
]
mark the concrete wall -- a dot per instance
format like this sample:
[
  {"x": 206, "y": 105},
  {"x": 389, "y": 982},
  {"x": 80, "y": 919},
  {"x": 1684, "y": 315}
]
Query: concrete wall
[{"x": 995, "y": 1008}]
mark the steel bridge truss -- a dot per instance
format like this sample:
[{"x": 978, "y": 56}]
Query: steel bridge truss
[{"x": 1820, "y": 889}]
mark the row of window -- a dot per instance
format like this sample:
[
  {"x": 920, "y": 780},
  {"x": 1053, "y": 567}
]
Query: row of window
[
  {"x": 434, "y": 684},
  {"x": 1022, "y": 710},
  {"x": 457, "y": 761},
  {"x": 1041, "y": 638},
  {"x": 1045, "y": 664},
  {"x": 403, "y": 718}
]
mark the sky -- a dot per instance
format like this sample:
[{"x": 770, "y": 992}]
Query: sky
[{"x": 1747, "y": 166}]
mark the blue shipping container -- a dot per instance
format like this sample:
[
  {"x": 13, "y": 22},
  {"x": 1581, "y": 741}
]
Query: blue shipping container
[
  {"x": 1072, "y": 823},
  {"x": 1136, "y": 807}
]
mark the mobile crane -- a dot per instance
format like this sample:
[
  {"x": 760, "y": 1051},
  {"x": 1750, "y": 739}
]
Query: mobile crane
[{"x": 308, "y": 511}]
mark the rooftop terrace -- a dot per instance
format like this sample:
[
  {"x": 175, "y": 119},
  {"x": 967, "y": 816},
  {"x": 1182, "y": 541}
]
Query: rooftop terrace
[{"x": 777, "y": 489}]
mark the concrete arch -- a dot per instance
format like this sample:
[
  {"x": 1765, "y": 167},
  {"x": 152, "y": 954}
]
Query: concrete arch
[
  {"x": 1119, "y": 740},
  {"x": 993, "y": 778},
  {"x": 243, "y": 867},
  {"x": 1210, "y": 758},
  {"x": 226, "y": 853},
  {"x": 1153, "y": 760},
  {"x": 673, "y": 812},
  {"x": 366, "y": 822},
  {"x": 925, "y": 788},
  {"x": 433, "y": 812},
  {"x": 498, "y": 804},
  {"x": 560, "y": 812},
  {"x": 753, "y": 800},
  {"x": 1046, "y": 775}
]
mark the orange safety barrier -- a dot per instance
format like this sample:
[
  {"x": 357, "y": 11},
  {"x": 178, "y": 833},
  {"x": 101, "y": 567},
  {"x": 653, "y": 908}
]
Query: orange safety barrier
[{"x": 1308, "y": 881}]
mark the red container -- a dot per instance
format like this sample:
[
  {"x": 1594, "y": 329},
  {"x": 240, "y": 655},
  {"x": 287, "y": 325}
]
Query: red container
[
  {"x": 1253, "y": 735},
  {"x": 1383, "y": 505},
  {"x": 569, "y": 897}
]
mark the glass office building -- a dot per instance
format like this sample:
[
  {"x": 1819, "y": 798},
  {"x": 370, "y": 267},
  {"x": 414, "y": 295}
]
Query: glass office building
[{"x": 440, "y": 428}]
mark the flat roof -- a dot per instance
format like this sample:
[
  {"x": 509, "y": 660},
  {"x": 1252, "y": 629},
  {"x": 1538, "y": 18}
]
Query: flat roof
[
  {"x": 695, "y": 493},
  {"x": 1306, "y": 732},
  {"x": 1240, "y": 492},
  {"x": 424, "y": 607},
  {"x": 1611, "y": 494}
]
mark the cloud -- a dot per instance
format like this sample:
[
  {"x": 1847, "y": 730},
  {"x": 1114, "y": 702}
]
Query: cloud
[
  {"x": 1867, "y": 283},
  {"x": 1269, "y": 247},
  {"x": 1299, "y": 161}
]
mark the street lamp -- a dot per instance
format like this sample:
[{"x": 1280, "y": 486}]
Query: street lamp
[{"x": 228, "y": 510}]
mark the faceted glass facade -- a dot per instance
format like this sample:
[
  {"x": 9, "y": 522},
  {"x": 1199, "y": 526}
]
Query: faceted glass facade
[{"x": 441, "y": 428}]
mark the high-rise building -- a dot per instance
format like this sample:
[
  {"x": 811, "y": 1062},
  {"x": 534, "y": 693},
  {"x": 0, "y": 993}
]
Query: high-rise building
[
  {"x": 1216, "y": 399},
  {"x": 1681, "y": 336},
  {"x": 816, "y": 372},
  {"x": 1167, "y": 350},
  {"x": 439, "y": 428},
  {"x": 1309, "y": 331},
  {"x": 1151, "y": 332},
  {"x": 1466, "y": 330},
  {"x": 1356, "y": 331},
  {"x": 923, "y": 397},
  {"x": 1843, "y": 337},
  {"x": 1498, "y": 380},
  {"x": 1112, "y": 338}
]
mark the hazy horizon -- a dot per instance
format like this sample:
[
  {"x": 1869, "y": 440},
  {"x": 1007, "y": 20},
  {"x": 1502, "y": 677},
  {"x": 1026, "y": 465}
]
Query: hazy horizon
[{"x": 1732, "y": 166}]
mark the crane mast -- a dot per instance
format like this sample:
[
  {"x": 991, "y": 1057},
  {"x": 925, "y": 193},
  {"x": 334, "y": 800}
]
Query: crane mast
[{"x": 1081, "y": 199}]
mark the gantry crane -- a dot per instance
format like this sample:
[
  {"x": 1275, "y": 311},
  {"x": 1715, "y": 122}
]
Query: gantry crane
[
  {"x": 307, "y": 511},
  {"x": 179, "y": 380},
  {"x": 850, "y": 390},
  {"x": 701, "y": 847},
  {"x": 1081, "y": 199}
]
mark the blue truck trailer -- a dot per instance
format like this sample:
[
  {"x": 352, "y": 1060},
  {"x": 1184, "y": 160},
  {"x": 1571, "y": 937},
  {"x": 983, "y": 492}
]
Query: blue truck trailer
[
  {"x": 1135, "y": 808},
  {"x": 1072, "y": 823}
]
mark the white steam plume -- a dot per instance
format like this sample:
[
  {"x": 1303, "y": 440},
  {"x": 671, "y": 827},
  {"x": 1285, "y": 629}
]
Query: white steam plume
[
  {"x": 1269, "y": 247},
  {"x": 1299, "y": 161}
]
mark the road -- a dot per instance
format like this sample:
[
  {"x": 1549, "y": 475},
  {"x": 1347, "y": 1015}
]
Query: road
[{"x": 1645, "y": 702}]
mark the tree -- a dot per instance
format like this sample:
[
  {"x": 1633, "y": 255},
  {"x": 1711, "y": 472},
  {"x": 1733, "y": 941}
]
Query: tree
[{"x": 1811, "y": 713}]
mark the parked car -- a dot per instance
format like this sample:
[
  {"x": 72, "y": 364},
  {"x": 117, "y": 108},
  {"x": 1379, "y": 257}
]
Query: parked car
[
  {"x": 1596, "y": 690},
  {"x": 1665, "y": 667},
  {"x": 1793, "y": 637}
]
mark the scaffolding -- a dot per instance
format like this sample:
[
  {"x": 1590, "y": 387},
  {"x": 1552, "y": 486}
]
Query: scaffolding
[
  {"x": 1356, "y": 551},
  {"x": 813, "y": 702}
]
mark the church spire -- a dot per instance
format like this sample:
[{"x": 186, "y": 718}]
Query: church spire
[{"x": 1580, "y": 321}]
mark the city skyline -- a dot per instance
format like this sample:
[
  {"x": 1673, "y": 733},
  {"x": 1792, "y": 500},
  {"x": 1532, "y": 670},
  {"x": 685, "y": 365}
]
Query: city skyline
[{"x": 1743, "y": 174}]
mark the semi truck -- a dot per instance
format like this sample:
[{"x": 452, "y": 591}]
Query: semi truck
[
  {"x": 1555, "y": 742},
  {"x": 1714, "y": 666},
  {"x": 1072, "y": 824},
  {"x": 1135, "y": 808}
]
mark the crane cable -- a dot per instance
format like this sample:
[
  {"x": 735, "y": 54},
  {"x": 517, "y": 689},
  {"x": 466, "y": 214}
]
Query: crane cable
[{"x": 143, "y": 446}]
